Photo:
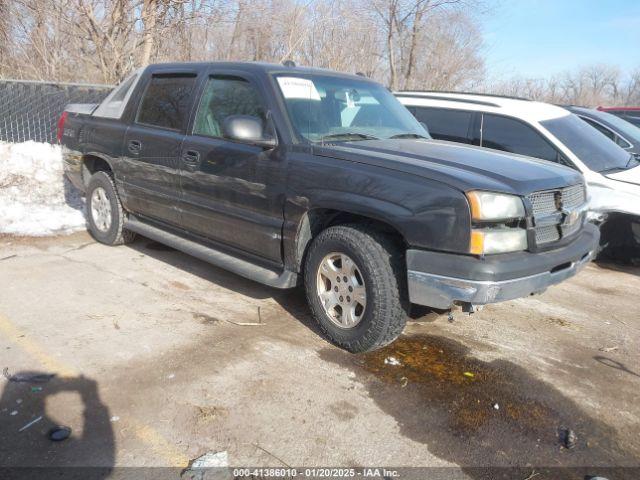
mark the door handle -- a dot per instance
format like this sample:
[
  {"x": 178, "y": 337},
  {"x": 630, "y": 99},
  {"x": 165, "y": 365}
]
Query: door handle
[
  {"x": 134, "y": 146},
  {"x": 191, "y": 158}
]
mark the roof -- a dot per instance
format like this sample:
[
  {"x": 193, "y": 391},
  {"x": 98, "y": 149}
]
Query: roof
[
  {"x": 620, "y": 109},
  {"x": 585, "y": 110},
  {"x": 598, "y": 115},
  {"x": 512, "y": 106},
  {"x": 257, "y": 67}
]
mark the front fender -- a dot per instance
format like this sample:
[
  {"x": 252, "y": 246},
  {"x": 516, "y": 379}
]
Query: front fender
[{"x": 428, "y": 214}]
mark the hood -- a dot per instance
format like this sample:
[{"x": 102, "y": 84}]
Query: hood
[
  {"x": 461, "y": 166},
  {"x": 630, "y": 176}
]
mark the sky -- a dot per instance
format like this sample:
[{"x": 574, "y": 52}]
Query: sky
[{"x": 540, "y": 38}]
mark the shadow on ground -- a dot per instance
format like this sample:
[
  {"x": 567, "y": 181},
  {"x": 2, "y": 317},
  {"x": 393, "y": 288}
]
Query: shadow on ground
[
  {"x": 485, "y": 414},
  {"x": 292, "y": 300},
  {"x": 25, "y": 447},
  {"x": 494, "y": 419},
  {"x": 630, "y": 266}
]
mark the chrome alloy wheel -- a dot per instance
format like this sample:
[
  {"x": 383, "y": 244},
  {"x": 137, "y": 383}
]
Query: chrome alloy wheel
[
  {"x": 341, "y": 290},
  {"x": 101, "y": 209}
]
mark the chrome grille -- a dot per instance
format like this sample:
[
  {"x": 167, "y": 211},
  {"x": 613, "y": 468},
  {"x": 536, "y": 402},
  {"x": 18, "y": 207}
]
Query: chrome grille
[
  {"x": 545, "y": 202},
  {"x": 547, "y": 234},
  {"x": 573, "y": 197},
  {"x": 550, "y": 202}
]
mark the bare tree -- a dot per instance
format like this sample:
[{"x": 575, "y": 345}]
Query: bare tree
[{"x": 407, "y": 44}]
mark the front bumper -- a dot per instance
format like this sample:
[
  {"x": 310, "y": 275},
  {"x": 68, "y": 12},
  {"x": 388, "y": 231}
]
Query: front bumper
[{"x": 439, "y": 280}]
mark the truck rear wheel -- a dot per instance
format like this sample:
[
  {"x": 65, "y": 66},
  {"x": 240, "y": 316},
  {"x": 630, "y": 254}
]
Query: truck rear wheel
[
  {"x": 356, "y": 287},
  {"x": 104, "y": 211}
]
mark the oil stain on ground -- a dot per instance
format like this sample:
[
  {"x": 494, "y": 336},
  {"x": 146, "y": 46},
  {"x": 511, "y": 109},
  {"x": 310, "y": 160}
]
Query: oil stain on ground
[{"x": 477, "y": 414}]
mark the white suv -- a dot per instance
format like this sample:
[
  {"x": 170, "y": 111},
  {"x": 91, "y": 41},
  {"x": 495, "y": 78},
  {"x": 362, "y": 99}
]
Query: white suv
[{"x": 544, "y": 131}]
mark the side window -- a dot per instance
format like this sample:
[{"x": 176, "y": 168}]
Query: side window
[
  {"x": 223, "y": 97},
  {"x": 113, "y": 106},
  {"x": 166, "y": 101},
  {"x": 445, "y": 124},
  {"x": 501, "y": 133},
  {"x": 622, "y": 142},
  {"x": 600, "y": 128}
]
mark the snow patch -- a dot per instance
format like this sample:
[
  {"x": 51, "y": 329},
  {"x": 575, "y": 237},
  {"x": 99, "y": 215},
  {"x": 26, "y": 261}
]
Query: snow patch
[{"x": 36, "y": 199}]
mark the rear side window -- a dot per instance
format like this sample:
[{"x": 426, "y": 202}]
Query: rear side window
[
  {"x": 600, "y": 128},
  {"x": 501, "y": 133},
  {"x": 445, "y": 124},
  {"x": 166, "y": 101},
  {"x": 223, "y": 97},
  {"x": 113, "y": 106}
]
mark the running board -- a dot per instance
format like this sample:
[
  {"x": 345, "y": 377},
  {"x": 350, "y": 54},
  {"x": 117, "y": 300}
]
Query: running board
[{"x": 285, "y": 279}]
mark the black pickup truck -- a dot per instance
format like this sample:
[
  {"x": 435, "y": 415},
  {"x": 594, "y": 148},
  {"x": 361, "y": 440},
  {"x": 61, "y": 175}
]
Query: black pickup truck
[{"x": 286, "y": 175}]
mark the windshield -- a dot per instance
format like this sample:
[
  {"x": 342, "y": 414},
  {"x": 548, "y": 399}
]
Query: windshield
[
  {"x": 594, "y": 149},
  {"x": 330, "y": 109}
]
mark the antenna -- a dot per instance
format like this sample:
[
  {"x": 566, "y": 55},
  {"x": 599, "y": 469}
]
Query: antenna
[{"x": 289, "y": 63}]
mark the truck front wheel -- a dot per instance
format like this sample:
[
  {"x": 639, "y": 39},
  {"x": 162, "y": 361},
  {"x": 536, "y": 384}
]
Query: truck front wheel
[
  {"x": 105, "y": 214},
  {"x": 356, "y": 287}
]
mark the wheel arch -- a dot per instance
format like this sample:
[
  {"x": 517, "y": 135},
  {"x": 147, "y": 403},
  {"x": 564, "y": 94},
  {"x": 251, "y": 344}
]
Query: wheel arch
[
  {"x": 92, "y": 163},
  {"x": 318, "y": 219}
]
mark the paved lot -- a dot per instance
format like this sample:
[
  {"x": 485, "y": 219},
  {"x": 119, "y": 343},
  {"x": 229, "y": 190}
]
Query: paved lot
[{"x": 161, "y": 358}]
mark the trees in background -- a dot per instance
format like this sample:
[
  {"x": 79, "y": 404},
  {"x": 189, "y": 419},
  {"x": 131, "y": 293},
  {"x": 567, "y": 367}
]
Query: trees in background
[
  {"x": 405, "y": 44},
  {"x": 592, "y": 85}
]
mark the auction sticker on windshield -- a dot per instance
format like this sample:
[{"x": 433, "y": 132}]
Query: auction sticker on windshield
[{"x": 296, "y": 87}]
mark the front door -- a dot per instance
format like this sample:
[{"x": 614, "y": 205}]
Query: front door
[
  {"x": 152, "y": 146},
  {"x": 232, "y": 190}
]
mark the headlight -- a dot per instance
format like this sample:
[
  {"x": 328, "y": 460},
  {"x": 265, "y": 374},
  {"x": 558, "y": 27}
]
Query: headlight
[
  {"x": 498, "y": 240},
  {"x": 497, "y": 226},
  {"x": 495, "y": 206}
]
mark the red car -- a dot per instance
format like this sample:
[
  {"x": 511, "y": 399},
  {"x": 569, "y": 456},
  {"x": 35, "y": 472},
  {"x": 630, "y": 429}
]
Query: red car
[{"x": 630, "y": 114}]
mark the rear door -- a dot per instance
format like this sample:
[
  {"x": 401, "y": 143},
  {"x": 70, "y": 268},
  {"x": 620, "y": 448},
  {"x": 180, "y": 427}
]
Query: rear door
[
  {"x": 512, "y": 135},
  {"x": 446, "y": 124},
  {"x": 152, "y": 145},
  {"x": 233, "y": 192}
]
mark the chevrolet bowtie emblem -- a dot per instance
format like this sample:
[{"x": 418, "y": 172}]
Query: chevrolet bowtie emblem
[{"x": 569, "y": 217}]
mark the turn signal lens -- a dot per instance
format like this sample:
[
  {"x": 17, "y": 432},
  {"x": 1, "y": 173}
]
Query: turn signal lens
[{"x": 477, "y": 242}]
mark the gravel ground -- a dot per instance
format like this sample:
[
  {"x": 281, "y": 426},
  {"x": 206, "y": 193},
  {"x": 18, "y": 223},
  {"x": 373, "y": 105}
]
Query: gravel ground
[{"x": 161, "y": 358}]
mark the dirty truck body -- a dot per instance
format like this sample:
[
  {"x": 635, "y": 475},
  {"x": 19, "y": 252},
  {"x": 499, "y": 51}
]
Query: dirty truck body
[{"x": 291, "y": 176}]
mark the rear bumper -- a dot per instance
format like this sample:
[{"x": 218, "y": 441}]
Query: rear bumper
[{"x": 440, "y": 279}]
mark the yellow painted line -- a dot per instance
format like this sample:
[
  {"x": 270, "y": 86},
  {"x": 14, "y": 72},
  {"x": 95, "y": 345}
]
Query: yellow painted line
[
  {"x": 145, "y": 433},
  {"x": 11, "y": 332}
]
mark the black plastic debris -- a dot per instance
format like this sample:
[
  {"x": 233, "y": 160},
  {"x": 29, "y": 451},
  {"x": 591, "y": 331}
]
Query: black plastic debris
[
  {"x": 569, "y": 438},
  {"x": 59, "y": 433},
  {"x": 27, "y": 377}
]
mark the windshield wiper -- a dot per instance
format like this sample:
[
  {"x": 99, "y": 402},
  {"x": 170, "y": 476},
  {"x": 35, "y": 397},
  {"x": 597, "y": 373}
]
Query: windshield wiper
[
  {"x": 348, "y": 136},
  {"x": 408, "y": 135}
]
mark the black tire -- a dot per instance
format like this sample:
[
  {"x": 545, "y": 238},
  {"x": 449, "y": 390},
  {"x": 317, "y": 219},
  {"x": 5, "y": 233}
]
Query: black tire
[
  {"x": 115, "y": 234},
  {"x": 380, "y": 261}
]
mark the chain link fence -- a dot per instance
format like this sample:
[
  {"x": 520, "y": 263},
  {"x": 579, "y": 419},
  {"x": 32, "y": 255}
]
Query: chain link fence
[{"x": 29, "y": 110}]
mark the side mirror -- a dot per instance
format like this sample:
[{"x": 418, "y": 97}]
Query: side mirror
[{"x": 247, "y": 128}]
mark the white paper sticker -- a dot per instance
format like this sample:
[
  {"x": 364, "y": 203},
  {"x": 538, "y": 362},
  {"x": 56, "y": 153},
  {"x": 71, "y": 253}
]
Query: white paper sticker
[
  {"x": 296, "y": 87},
  {"x": 350, "y": 101}
]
